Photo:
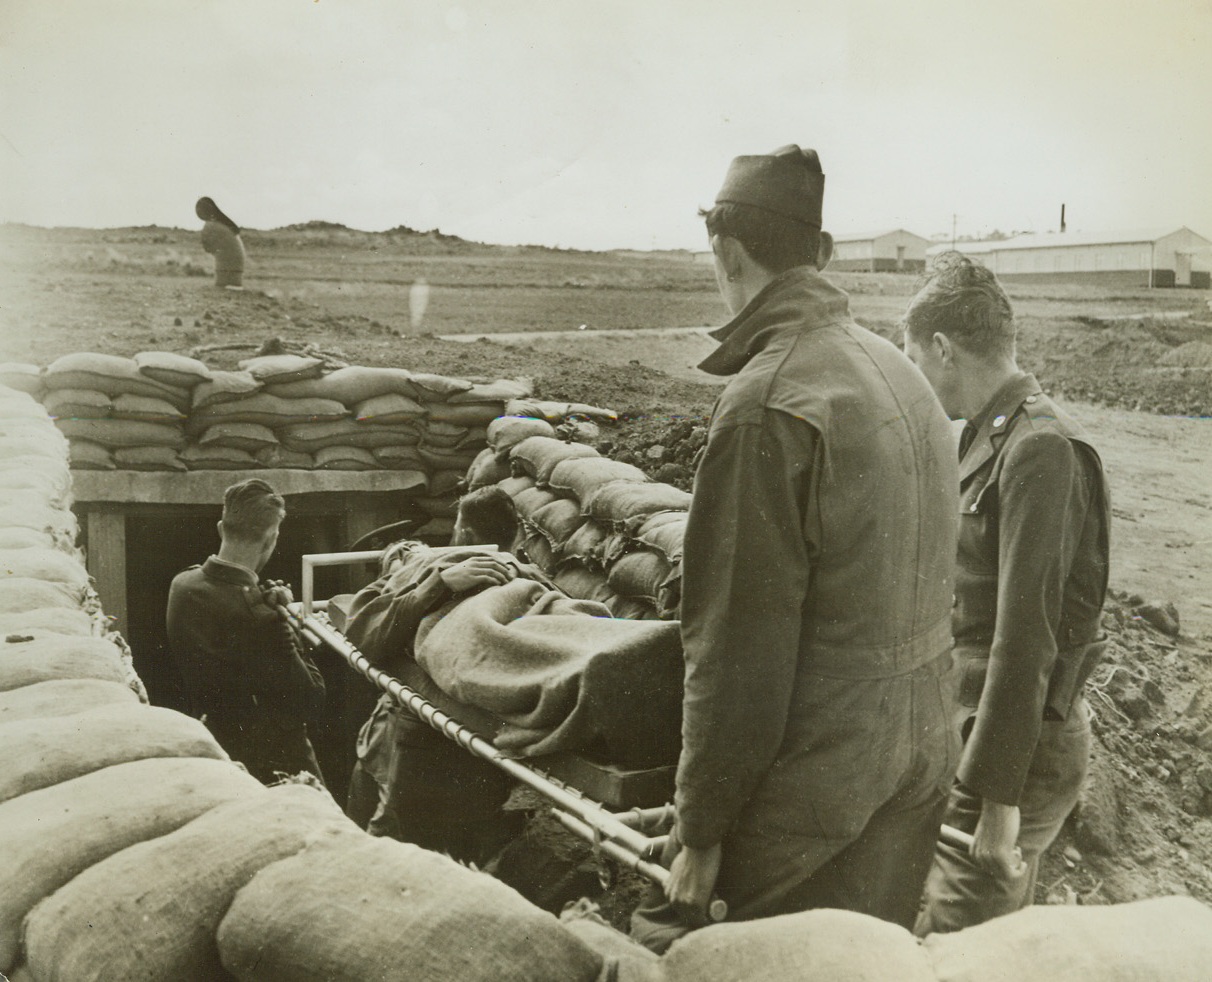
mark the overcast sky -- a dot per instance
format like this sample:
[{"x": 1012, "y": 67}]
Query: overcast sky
[{"x": 604, "y": 124}]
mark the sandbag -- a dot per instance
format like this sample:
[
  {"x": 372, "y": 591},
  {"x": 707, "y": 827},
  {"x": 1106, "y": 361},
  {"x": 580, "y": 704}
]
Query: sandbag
[
  {"x": 41, "y": 621},
  {"x": 666, "y": 537},
  {"x": 150, "y": 912},
  {"x": 22, "y": 377},
  {"x": 639, "y": 574},
  {"x": 50, "y": 480},
  {"x": 446, "y": 459},
  {"x": 578, "y": 580},
  {"x": 623, "y": 501},
  {"x": 148, "y": 459},
  {"x": 149, "y": 408},
  {"x": 78, "y": 404},
  {"x": 530, "y": 500},
  {"x": 59, "y": 523},
  {"x": 437, "y": 388},
  {"x": 313, "y": 436},
  {"x": 224, "y": 387},
  {"x": 581, "y": 477},
  {"x": 63, "y": 697},
  {"x": 113, "y": 433},
  {"x": 389, "y": 408},
  {"x": 22, "y": 593},
  {"x": 111, "y": 374},
  {"x": 1166, "y": 938},
  {"x": 556, "y": 412},
  {"x": 351, "y": 385},
  {"x": 585, "y": 544},
  {"x": 832, "y": 945},
  {"x": 629, "y": 608},
  {"x": 243, "y": 436},
  {"x": 85, "y": 455},
  {"x": 514, "y": 486},
  {"x": 444, "y": 506},
  {"x": 402, "y": 458},
  {"x": 346, "y": 459},
  {"x": 449, "y": 435},
  {"x": 505, "y": 432},
  {"x": 353, "y": 908},
  {"x": 558, "y": 520},
  {"x": 53, "y": 834},
  {"x": 36, "y": 753},
  {"x": 214, "y": 457},
  {"x": 22, "y": 538},
  {"x": 486, "y": 469},
  {"x": 539, "y": 551},
  {"x": 474, "y": 414},
  {"x": 268, "y": 410},
  {"x": 279, "y": 369},
  {"x": 172, "y": 368},
  {"x": 445, "y": 482},
  {"x": 45, "y": 443},
  {"x": 51, "y": 565},
  {"x": 281, "y": 457},
  {"x": 538, "y": 456},
  {"x": 499, "y": 391},
  {"x": 624, "y": 960},
  {"x": 46, "y": 658}
]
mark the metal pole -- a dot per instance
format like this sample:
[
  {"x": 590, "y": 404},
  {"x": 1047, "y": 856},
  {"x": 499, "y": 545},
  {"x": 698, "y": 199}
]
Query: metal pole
[{"x": 604, "y": 822}]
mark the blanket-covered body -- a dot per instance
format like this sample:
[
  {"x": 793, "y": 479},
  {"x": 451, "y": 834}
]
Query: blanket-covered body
[{"x": 560, "y": 674}]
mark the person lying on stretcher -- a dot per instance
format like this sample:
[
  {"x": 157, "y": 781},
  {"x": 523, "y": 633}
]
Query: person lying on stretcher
[
  {"x": 548, "y": 672},
  {"x": 410, "y": 782}
]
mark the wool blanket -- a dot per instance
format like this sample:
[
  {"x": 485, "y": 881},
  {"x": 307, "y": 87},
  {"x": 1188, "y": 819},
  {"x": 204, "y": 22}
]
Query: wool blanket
[{"x": 561, "y": 674}]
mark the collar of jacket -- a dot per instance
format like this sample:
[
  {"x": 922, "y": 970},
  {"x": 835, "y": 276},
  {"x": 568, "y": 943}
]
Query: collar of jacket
[
  {"x": 993, "y": 422},
  {"x": 799, "y": 299},
  {"x": 221, "y": 569}
]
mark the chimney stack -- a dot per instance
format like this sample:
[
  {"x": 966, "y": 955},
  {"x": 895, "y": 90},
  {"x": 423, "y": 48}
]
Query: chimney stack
[{"x": 1062, "y": 218}]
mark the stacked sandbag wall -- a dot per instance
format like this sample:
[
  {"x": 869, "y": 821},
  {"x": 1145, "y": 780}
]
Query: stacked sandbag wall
[
  {"x": 599, "y": 527},
  {"x": 162, "y": 411},
  {"x": 132, "y": 848}
]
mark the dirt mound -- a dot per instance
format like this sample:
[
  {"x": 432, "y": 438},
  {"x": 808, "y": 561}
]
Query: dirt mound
[{"x": 1193, "y": 354}]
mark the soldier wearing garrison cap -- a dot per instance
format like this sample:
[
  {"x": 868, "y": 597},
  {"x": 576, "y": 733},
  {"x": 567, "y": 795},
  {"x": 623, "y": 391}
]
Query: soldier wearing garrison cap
[{"x": 817, "y": 584}]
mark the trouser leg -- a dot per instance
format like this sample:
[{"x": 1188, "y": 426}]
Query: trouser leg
[
  {"x": 958, "y": 893},
  {"x": 443, "y": 798},
  {"x": 882, "y": 872}
]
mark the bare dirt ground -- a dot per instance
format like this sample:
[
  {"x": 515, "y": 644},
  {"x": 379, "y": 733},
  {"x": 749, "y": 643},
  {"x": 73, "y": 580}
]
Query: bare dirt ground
[{"x": 1132, "y": 365}]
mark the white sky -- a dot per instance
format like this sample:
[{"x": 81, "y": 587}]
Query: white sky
[{"x": 604, "y": 124}]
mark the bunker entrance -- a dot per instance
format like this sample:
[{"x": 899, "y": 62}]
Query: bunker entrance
[{"x": 134, "y": 548}]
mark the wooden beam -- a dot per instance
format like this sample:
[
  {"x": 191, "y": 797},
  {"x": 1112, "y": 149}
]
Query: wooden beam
[{"x": 105, "y": 559}]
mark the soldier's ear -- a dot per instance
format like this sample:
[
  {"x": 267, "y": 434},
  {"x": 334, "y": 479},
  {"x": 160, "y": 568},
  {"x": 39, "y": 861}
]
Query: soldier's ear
[
  {"x": 824, "y": 251},
  {"x": 942, "y": 347}
]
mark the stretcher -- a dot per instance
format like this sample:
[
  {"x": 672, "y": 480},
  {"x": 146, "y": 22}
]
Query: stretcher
[{"x": 582, "y": 793}]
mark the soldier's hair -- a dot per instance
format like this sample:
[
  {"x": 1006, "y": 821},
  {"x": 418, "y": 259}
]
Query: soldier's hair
[
  {"x": 250, "y": 509},
  {"x": 962, "y": 299},
  {"x": 491, "y": 512},
  {"x": 775, "y": 242}
]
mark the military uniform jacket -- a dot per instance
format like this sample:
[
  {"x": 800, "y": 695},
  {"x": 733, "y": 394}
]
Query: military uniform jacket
[
  {"x": 819, "y": 544},
  {"x": 242, "y": 667},
  {"x": 1031, "y": 578}
]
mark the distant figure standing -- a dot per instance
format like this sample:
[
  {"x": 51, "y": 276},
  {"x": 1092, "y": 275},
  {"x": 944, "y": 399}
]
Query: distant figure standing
[
  {"x": 221, "y": 238},
  {"x": 418, "y": 300}
]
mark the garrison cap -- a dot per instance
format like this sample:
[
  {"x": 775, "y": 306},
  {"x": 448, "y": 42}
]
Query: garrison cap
[{"x": 788, "y": 181}]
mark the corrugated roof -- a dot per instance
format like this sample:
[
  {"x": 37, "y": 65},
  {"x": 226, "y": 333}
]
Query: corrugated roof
[
  {"x": 868, "y": 236},
  {"x": 1051, "y": 240}
]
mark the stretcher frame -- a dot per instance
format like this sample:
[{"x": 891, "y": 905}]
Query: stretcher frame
[{"x": 635, "y": 838}]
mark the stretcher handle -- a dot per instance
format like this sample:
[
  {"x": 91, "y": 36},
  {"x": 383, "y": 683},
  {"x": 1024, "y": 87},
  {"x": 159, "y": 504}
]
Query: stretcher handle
[{"x": 717, "y": 909}]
